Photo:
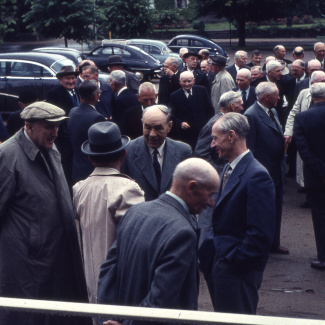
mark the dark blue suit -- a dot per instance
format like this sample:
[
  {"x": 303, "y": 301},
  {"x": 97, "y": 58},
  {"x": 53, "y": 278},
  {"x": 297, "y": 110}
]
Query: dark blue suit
[
  {"x": 106, "y": 101},
  {"x": 81, "y": 118},
  {"x": 266, "y": 141},
  {"x": 251, "y": 99},
  {"x": 309, "y": 133},
  {"x": 138, "y": 165},
  {"x": 234, "y": 254}
]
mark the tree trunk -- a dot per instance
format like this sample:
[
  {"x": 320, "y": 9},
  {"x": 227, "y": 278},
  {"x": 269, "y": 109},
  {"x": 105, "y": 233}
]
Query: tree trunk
[
  {"x": 241, "y": 32},
  {"x": 65, "y": 42}
]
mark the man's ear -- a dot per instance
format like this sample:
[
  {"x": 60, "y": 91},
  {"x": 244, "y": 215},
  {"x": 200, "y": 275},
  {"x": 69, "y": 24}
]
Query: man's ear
[{"x": 170, "y": 125}]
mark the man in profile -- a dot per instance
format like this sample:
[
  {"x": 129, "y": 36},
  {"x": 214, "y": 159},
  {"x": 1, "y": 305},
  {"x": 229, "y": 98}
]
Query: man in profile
[{"x": 156, "y": 245}]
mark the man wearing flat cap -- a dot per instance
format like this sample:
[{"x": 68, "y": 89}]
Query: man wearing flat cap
[
  {"x": 115, "y": 62},
  {"x": 39, "y": 252},
  {"x": 222, "y": 82},
  {"x": 201, "y": 79},
  {"x": 101, "y": 200}
]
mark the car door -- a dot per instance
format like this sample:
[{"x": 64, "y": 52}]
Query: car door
[
  {"x": 197, "y": 45},
  {"x": 100, "y": 56},
  {"x": 3, "y": 84}
]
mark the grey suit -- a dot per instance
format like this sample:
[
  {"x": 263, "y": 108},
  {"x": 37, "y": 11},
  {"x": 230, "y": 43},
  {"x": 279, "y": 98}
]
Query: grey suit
[{"x": 138, "y": 165}]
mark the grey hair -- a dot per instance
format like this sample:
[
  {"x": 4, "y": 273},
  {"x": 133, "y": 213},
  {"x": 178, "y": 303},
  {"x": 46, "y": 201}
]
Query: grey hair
[
  {"x": 245, "y": 72},
  {"x": 93, "y": 69},
  {"x": 162, "y": 108},
  {"x": 118, "y": 76},
  {"x": 173, "y": 60},
  {"x": 277, "y": 48},
  {"x": 257, "y": 67},
  {"x": 147, "y": 86},
  {"x": 195, "y": 169},
  {"x": 272, "y": 65},
  {"x": 300, "y": 62},
  {"x": 265, "y": 88},
  {"x": 313, "y": 61},
  {"x": 234, "y": 121},
  {"x": 315, "y": 75},
  {"x": 239, "y": 53},
  {"x": 317, "y": 90},
  {"x": 318, "y": 43},
  {"x": 229, "y": 97}
]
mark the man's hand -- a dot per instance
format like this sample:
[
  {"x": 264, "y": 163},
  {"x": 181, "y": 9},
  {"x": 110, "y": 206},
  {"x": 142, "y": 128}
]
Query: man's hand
[
  {"x": 185, "y": 126},
  {"x": 168, "y": 72},
  {"x": 287, "y": 139},
  {"x": 112, "y": 322}
]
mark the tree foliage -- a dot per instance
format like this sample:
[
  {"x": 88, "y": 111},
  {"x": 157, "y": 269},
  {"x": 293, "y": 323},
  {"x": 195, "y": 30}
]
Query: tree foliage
[
  {"x": 164, "y": 4},
  {"x": 127, "y": 19},
  {"x": 57, "y": 18},
  {"x": 7, "y": 17}
]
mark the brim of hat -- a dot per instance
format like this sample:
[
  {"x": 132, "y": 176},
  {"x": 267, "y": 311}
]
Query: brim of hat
[
  {"x": 186, "y": 55},
  {"x": 85, "y": 148},
  {"x": 62, "y": 74},
  {"x": 56, "y": 119}
]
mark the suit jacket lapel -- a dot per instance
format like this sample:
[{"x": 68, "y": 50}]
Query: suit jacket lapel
[
  {"x": 265, "y": 118},
  {"x": 170, "y": 161},
  {"x": 144, "y": 162}
]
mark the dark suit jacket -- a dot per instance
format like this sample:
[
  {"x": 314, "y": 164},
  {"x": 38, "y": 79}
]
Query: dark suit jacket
[
  {"x": 266, "y": 141},
  {"x": 251, "y": 97},
  {"x": 203, "y": 146},
  {"x": 81, "y": 118},
  {"x": 132, "y": 122},
  {"x": 210, "y": 77},
  {"x": 14, "y": 122},
  {"x": 244, "y": 218},
  {"x": 153, "y": 262},
  {"x": 300, "y": 85},
  {"x": 106, "y": 101},
  {"x": 138, "y": 165},
  {"x": 132, "y": 82},
  {"x": 232, "y": 71},
  {"x": 122, "y": 102},
  {"x": 309, "y": 133},
  {"x": 196, "y": 111},
  {"x": 167, "y": 85}
]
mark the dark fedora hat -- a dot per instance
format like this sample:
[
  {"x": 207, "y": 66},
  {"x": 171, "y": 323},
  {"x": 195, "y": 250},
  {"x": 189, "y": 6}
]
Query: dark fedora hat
[
  {"x": 115, "y": 60},
  {"x": 219, "y": 60},
  {"x": 66, "y": 71},
  {"x": 186, "y": 55},
  {"x": 104, "y": 138}
]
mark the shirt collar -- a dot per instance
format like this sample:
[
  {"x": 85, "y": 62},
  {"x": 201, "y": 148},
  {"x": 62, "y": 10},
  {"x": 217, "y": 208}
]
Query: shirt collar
[
  {"x": 177, "y": 198},
  {"x": 160, "y": 149},
  {"x": 121, "y": 90},
  {"x": 235, "y": 162}
]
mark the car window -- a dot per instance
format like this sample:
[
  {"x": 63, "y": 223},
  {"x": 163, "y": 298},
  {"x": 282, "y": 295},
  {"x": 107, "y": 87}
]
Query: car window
[
  {"x": 107, "y": 51},
  {"x": 24, "y": 69},
  {"x": 197, "y": 43},
  {"x": 122, "y": 52},
  {"x": 2, "y": 68},
  {"x": 140, "y": 46},
  {"x": 182, "y": 42},
  {"x": 154, "y": 50},
  {"x": 57, "y": 65},
  {"x": 166, "y": 50},
  {"x": 47, "y": 73}
]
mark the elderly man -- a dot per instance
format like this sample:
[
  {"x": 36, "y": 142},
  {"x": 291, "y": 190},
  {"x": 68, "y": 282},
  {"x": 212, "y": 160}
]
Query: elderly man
[
  {"x": 115, "y": 63},
  {"x": 298, "y": 53},
  {"x": 39, "y": 252},
  {"x": 200, "y": 78},
  {"x": 309, "y": 133},
  {"x": 234, "y": 253},
  {"x": 266, "y": 132},
  {"x": 240, "y": 62},
  {"x": 256, "y": 59},
  {"x": 101, "y": 200},
  {"x": 170, "y": 81},
  {"x": 153, "y": 157},
  {"x": 206, "y": 68},
  {"x": 205, "y": 54},
  {"x": 105, "y": 103},
  {"x": 156, "y": 245},
  {"x": 125, "y": 98},
  {"x": 243, "y": 80},
  {"x": 81, "y": 118},
  {"x": 182, "y": 51},
  {"x": 279, "y": 53},
  {"x": 298, "y": 70},
  {"x": 132, "y": 120},
  {"x": 256, "y": 72},
  {"x": 191, "y": 109},
  {"x": 319, "y": 51},
  {"x": 222, "y": 82}
]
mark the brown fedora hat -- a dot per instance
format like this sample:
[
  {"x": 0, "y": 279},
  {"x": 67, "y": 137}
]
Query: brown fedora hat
[{"x": 67, "y": 70}]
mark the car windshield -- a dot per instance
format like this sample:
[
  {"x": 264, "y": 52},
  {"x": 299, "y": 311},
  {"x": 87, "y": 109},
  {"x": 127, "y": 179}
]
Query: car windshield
[
  {"x": 166, "y": 50},
  {"x": 57, "y": 65}
]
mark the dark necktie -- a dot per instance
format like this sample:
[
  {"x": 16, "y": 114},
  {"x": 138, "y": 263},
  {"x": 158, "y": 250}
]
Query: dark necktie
[
  {"x": 271, "y": 114},
  {"x": 75, "y": 97},
  {"x": 243, "y": 95},
  {"x": 226, "y": 176},
  {"x": 189, "y": 95},
  {"x": 156, "y": 167}
]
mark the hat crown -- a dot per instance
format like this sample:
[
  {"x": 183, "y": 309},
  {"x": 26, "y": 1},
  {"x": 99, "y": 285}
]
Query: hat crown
[
  {"x": 115, "y": 59},
  {"x": 67, "y": 68}
]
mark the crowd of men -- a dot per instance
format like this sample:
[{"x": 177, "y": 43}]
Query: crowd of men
[{"x": 113, "y": 193}]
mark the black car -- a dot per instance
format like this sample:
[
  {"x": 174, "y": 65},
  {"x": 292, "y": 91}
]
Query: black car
[
  {"x": 27, "y": 71},
  {"x": 72, "y": 54},
  {"x": 135, "y": 59},
  {"x": 196, "y": 43}
]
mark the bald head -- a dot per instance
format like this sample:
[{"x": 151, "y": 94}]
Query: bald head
[
  {"x": 312, "y": 66},
  {"x": 279, "y": 52},
  {"x": 298, "y": 68},
  {"x": 195, "y": 181},
  {"x": 243, "y": 79},
  {"x": 319, "y": 51},
  {"x": 317, "y": 76},
  {"x": 298, "y": 53}
]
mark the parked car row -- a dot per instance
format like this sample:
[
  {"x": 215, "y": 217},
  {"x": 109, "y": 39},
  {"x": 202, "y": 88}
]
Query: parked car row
[{"x": 36, "y": 70}]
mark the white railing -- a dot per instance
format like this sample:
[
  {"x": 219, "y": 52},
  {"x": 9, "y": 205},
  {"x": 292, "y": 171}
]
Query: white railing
[{"x": 149, "y": 314}]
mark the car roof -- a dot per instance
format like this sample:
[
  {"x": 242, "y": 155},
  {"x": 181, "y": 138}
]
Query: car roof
[
  {"x": 146, "y": 41},
  {"x": 44, "y": 58},
  {"x": 58, "y": 49},
  {"x": 193, "y": 36}
]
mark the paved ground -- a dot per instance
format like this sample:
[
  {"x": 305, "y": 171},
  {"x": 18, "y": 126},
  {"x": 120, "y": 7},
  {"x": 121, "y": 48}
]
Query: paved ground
[{"x": 290, "y": 288}]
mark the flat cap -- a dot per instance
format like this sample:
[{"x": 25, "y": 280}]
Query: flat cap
[
  {"x": 43, "y": 111},
  {"x": 219, "y": 60}
]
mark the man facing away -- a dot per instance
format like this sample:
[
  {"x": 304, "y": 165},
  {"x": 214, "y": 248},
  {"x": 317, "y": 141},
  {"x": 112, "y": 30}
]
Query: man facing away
[
  {"x": 153, "y": 262},
  {"x": 101, "y": 200},
  {"x": 234, "y": 254}
]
